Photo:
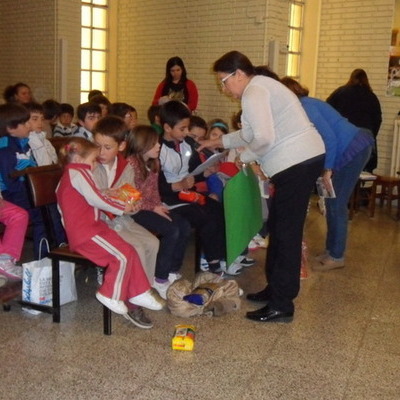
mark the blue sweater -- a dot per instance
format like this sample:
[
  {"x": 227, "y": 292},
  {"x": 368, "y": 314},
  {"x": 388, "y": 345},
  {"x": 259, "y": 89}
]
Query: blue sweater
[{"x": 342, "y": 139}]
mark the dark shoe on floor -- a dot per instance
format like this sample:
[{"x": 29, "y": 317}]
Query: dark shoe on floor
[
  {"x": 259, "y": 297},
  {"x": 266, "y": 314},
  {"x": 139, "y": 318}
]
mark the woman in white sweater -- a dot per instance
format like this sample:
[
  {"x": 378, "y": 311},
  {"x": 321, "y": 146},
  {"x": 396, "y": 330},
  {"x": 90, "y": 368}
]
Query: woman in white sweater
[{"x": 277, "y": 135}]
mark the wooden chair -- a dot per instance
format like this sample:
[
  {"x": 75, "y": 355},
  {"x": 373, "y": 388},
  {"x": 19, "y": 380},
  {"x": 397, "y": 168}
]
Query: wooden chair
[
  {"x": 59, "y": 142},
  {"x": 362, "y": 193},
  {"x": 386, "y": 189},
  {"x": 42, "y": 183}
]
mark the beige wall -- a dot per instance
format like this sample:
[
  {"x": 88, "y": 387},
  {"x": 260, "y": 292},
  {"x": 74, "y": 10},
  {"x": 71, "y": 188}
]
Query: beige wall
[
  {"x": 30, "y": 33},
  {"x": 199, "y": 32},
  {"x": 357, "y": 34},
  {"x": 349, "y": 34}
]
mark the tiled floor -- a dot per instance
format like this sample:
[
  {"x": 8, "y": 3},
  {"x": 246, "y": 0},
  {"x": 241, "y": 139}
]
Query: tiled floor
[{"x": 343, "y": 343}]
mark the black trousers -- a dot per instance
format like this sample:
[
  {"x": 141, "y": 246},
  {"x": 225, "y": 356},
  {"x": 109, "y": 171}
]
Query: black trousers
[
  {"x": 173, "y": 235},
  {"x": 287, "y": 213},
  {"x": 209, "y": 222}
]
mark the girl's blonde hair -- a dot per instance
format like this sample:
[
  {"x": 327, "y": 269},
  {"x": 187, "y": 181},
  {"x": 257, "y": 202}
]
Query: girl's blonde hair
[
  {"x": 139, "y": 141},
  {"x": 76, "y": 146}
]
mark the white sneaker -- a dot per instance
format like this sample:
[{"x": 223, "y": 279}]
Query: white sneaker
[
  {"x": 174, "y": 276},
  {"x": 257, "y": 242},
  {"x": 204, "y": 264},
  {"x": 146, "y": 300},
  {"x": 245, "y": 261},
  {"x": 162, "y": 288},
  {"x": 233, "y": 269},
  {"x": 117, "y": 306},
  {"x": 10, "y": 270}
]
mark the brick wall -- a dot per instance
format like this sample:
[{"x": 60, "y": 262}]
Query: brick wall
[
  {"x": 356, "y": 34},
  {"x": 29, "y": 45},
  {"x": 352, "y": 34},
  {"x": 151, "y": 32}
]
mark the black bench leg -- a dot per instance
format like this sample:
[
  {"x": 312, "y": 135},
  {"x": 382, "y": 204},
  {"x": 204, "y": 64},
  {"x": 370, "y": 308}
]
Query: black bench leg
[
  {"x": 106, "y": 320},
  {"x": 56, "y": 289}
]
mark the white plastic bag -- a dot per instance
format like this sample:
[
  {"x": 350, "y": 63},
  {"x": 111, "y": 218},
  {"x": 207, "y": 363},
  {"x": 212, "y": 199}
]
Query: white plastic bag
[{"x": 37, "y": 284}]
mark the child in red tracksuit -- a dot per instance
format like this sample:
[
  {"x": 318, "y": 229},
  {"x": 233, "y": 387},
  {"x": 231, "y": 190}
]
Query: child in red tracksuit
[{"x": 79, "y": 202}]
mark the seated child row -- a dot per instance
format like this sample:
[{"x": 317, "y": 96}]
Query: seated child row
[{"x": 140, "y": 260}]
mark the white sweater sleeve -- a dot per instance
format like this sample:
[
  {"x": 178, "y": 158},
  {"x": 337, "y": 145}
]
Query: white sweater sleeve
[{"x": 82, "y": 181}]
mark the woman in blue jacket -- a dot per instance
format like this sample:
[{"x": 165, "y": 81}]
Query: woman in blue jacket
[{"x": 348, "y": 149}]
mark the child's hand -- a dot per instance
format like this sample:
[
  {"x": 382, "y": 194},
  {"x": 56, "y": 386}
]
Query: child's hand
[
  {"x": 163, "y": 211},
  {"x": 184, "y": 184},
  {"x": 210, "y": 170},
  {"x": 132, "y": 208},
  {"x": 214, "y": 196}
]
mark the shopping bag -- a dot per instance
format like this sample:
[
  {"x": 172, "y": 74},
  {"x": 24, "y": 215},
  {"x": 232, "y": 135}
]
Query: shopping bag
[
  {"x": 37, "y": 285},
  {"x": 243, "y": 215}
]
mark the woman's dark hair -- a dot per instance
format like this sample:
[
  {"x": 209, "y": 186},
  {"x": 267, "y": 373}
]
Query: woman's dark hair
[
  {"x": 294, "y": 86},
  {"x": 266, "y": 71},
  {"x": 11, "y": 91},
  {"x": 171, "y": 63},
  {"x": 237, "y": 120},
  {"x": 234, "y": 60},
  {"x": 359, "y": 78},
  {"x": 139, "y": 141}
]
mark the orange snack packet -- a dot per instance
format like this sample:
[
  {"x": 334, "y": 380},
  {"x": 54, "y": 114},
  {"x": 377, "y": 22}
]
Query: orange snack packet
[{"x": 127, "y": 193}]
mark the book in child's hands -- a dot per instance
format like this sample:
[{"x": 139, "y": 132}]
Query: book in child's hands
[{"x": 323, "y": 190}]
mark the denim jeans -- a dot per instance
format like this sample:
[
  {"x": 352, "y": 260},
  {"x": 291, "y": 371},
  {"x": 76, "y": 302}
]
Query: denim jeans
[{"x": 344, "y": 182}]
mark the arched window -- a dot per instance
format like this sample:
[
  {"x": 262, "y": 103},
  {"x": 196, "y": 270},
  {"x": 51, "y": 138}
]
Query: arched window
[
  {"x": 94, "y": 45},
  {"x": 296, "y": 21}
]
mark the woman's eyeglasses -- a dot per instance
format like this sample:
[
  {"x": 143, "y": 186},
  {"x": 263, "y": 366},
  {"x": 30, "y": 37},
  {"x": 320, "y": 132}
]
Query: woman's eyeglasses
[{"x": 223, "y": 80}]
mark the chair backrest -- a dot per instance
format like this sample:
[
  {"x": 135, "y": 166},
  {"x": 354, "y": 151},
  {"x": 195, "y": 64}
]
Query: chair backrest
[
  {"x": 42, "y": 183},
  {"x": 59, "y": 142}
]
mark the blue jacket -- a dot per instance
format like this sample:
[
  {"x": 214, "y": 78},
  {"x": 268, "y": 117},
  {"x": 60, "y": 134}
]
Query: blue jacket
[
  {"x": 338, "y": 134},
  {"x": 15, "y": 154}
]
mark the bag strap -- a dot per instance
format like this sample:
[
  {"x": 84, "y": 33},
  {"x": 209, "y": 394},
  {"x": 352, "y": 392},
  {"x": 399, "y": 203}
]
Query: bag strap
[{"x": 43, "y": 239}]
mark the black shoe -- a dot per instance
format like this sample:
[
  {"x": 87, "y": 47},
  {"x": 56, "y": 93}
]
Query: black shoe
[
  {"x": 259, "y": 297},
  {"x": 266, "y": 314}
]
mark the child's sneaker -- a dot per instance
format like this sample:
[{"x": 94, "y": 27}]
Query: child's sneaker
[
  {"x": 245, "y": 261},
  {"x": 204, "y": 264},
  {"x": 174, "y": 276},
  {"x": 117, "y": 306},
  {"x": 10, "y": 270},
  {"x": 233, "y": 269},
  {"x": 139, "y": 318},
  {"x": 257, "y": 242},
  {"x": 146, "y": 300},
  {"x": 162, "y": 288}
]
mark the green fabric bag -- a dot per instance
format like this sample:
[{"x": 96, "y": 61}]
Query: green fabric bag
[{"x": 243, "y": 215}]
